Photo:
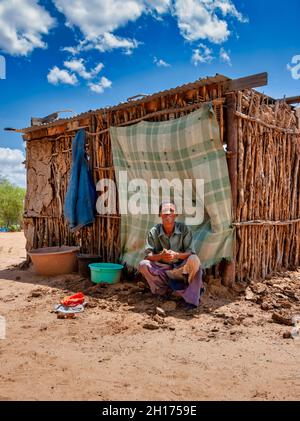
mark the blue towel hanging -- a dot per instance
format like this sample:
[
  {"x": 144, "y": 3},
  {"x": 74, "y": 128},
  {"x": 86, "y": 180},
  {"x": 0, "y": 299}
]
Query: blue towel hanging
[{"x": 81, "y": 196}]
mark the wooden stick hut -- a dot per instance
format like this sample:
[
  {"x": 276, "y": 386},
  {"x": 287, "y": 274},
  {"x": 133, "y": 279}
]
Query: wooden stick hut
[{"x": 263, "y": 151}]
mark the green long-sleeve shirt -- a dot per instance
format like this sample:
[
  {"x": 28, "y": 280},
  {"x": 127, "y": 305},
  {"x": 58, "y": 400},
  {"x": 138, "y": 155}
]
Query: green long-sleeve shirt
[{"x": 180, "y": 241}]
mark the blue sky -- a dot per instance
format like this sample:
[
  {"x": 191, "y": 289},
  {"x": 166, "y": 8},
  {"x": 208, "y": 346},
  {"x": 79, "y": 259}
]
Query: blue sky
[{"x": 121, "y": 48}]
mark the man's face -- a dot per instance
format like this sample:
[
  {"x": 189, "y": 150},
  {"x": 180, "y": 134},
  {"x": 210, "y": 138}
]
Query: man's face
[
  {"x": 168, "y": 219},
  {"x": 168, "y": 214}
]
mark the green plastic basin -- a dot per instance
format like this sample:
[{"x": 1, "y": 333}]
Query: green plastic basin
[{"x": 109, "y": 273}]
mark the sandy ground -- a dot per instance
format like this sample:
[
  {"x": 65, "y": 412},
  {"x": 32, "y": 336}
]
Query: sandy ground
[{"x": 229, "y": 349}]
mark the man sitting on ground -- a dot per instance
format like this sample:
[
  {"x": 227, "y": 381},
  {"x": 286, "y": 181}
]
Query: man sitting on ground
[{"x": 170, "y": 260}]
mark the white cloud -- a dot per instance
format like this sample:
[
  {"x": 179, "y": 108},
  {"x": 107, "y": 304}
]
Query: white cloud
[
  {"x": 72, "y": 50},
  {"x": 224, "y": 56},
  {"x": 161, "y": 63},
  {"x": 22, "y": 26},
  {"x": 295, "y": 69},
  {"x": 78, "y": 66},
  {"x": 56, "y": 76},
  {"x": 109, "y": 42},
  {"x": 98, "y": 19},
  {"x": 103, "y": 43},
  {"x": 11, "y": 165},
  {"x": 95, "y": 17},
  {"x": 197, "y": 19},
  {"x": 159, "y": 6},
  {"x": 226, "y": 7},
  {"x": 203, "y": 54},
  {"x": 23, "y": 23},
  {"x": 100, "y": 86},
  {"x": 97, "y": 69}
]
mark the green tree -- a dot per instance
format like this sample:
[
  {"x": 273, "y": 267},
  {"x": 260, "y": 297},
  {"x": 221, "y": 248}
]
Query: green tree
[{"x": 11, "y": 203}]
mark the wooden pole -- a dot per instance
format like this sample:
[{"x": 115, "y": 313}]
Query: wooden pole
[{"x": 228, "y": 276}]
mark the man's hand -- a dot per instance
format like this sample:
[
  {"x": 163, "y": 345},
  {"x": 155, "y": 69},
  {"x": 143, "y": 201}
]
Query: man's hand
[{"x": 168, "y": 256}]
